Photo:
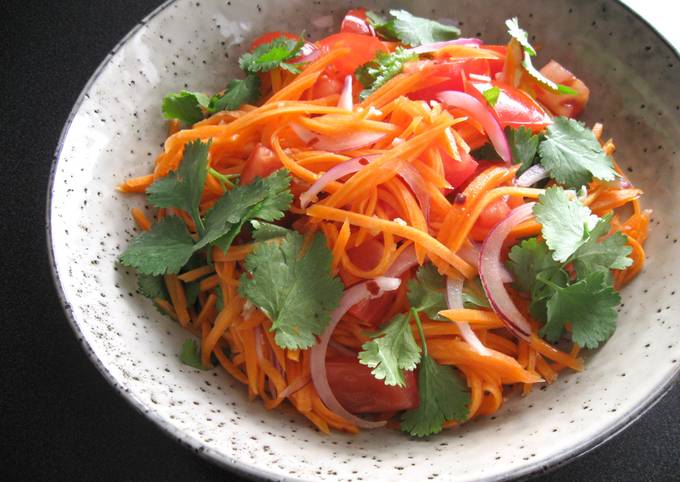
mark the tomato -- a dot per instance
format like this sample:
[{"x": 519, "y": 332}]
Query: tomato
[
  {"x": 261, "y": 163},
  {"x": 450, "y": 71},
  {"x": 457, "y": 172},
  {"x": 360, "y": 392},
  {"x": 269, "y": 36},
  {"x": 362, "y": 50},
  {"x": 569, "y": 105},
  {"x": 356, "y": 21},
  {"x": 327, "y": 85},
  {"x": 514, "y": 107},
  {"x": 493, "y": 213},
  {"x": 366, "y": 256}
]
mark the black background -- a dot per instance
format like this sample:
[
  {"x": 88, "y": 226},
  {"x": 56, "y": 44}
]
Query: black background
[{"x": 59, "y": 418}]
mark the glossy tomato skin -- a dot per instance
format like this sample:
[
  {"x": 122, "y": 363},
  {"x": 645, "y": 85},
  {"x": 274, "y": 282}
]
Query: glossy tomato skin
[
  {"x": 327, "y": 85},
  {"x": 514, "y": 107},
  {"x": 569, "y": 105},
  {"x": 493, "y": 213},
  {"x": 269, "y": 36},
  {"x": 457, "y": 172},
  {"x": 356, "y": 21},
  {"x": 360, "y": 392},
  {"x": 362, "y": 50},
  {"x": 261, "y": 163}
]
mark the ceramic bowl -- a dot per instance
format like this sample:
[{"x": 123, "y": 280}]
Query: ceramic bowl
[{"x": 115, "y": 130}]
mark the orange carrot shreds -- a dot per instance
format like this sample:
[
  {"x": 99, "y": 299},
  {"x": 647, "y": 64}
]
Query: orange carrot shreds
[
  {"x": 459, "y": 353},
  {"x": 333, "y": 124},
  {"x": 140, "y": 218},
  {"x": 331, "y": 418},
  {"x": 209, "y": 283},
  {"x": 275, "y": 76},
  {"x": 503, "y": 345},
  {"x": 430, "y": 244},
  {"x": 492, "y": 398},
  {"x": 464, "y": 52},
  {"x": 459, "y": 236},
  {"x": 340, "y": 246},
  {"x": 207, "y": 311},
  {"x": 474, "y": 382},
  {"x": 230, "y": 367},
  {"x": 415, "y": 216},
  {"x": 196, "y": 273},
  {"x": 178, "y": 298},
  {"x": 552, "y": 353},
  {"x": 531, "y": 367},
  {"x": 296, "y": 169},
  {"x": 136, "y": 184},
  {"x": 612, "y": 199},
  {"x": 526, "y": 229},
  {"x": 279, "y": 354},
  {"x": 174, "y": 126},
  {"x": 638, "y": 256},
  {"x": 476, "y": 318},
  {"x": 166, "y": 307},
  {"x": 222, "y": 322},
  {"x": 545, "y": 370},
  {"x": 234, "y": 253}
]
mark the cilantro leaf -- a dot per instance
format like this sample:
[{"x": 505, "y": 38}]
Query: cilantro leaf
[
  {"x": 191, "y": 354},
  {"x": 491, "y": 95},
  {"x": 238, "y": 92},
  {"x": 443, "y": 396},
  {"x": 520, "y": 35},
  {"x": 588, "y": 305},
  {"x": 414, "y": 31},
  {"x": 524, "y": 146},
  {"x": 151, "y": 287},
  {"x": 392, "y": 350},
  {"x": 183, "y": 188},
  {"x": 266, "y": 231},
  {"x": 266, "y": 199},
  {"x": 564, "y": 222},
  {"x": 572, "y": 155},
  {"x": 382, "y": 24},
  {"x": 185, "y": 106},
  {"x": 272, "y": 55},
  {"x": 594, "y": 255},
  {"x": 381, "y": 69},
  {"x": 163, "y": 249},
  {"x": 295, "y": 290},
  {"x": 474, "y": 296},
  {"x": 426, "y": 293},
  {"x": 526, "y": 260}
]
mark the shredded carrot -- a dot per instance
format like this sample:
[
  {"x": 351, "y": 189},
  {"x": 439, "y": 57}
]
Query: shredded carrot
[{"x": 141, "y": 219}]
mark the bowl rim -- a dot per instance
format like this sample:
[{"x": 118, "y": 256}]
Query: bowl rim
[{"x": 250, "y": 471}]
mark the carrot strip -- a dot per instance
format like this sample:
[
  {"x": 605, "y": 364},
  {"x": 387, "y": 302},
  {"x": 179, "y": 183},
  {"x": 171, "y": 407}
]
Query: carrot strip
[{"x": 141, "y": 219}]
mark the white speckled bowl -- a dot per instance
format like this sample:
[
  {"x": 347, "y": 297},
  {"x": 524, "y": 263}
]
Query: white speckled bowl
[{"x": 114, "y": 132}]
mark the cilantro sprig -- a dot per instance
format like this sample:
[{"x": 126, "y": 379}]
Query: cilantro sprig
[
  {"x": 381, "y": 69},
  {"x": 191, "y": 354},
  {"x": 411, "y": 30},
  {"x": 272, "y": 55},
  {"x": 567, "y": 273},
  {"x": 295, "y": 289}
]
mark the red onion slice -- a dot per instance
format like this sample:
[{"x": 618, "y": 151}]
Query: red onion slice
[
  {"x": 483, "y": 115},
  {"x": 531, "y": 176},
  {"x": 470, "y": 253},
  {"x": 490, "y": 272},
  {"x": 337, "y": 143},
  {"x": 359, "y": 292},
  {"x": 333, "y": 174},
  {"x": 308, "y": 53},
  {"x": 434, "y": 46},
  {"x": 454, "y": 300},
  {"x": 345, "y": 101},
  {"x": 415, "y": 181}
]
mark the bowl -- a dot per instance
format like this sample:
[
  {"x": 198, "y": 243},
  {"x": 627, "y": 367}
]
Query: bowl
[{"x": 114, "y": 132}]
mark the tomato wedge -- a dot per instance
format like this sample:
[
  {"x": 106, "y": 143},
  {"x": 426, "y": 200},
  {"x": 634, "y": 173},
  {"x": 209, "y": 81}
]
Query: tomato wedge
[
  {"x": 326, "y": 85},
  {"x": 514, "y": 107},
  {"x": 457, "y": 172},
  {"x": 360, "y": 392},
  {"x": 569, "y": 105},
  {"x": 356, "y": 21},
  {"x": 261, "y": 163},
  {"x": 493, "y": 213},
  {"x": 362, "y": 50}
]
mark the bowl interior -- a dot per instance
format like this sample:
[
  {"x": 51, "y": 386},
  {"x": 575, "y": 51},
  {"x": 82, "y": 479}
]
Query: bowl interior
[{"x": 115, "y": 132}]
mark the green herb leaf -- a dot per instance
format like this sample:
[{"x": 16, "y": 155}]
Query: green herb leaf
[
  {"x": 151, "y": 287},
  {"x": 295, "y": 290},
  {"x": 414, "y": 31},
  {"x": 491, "y": 95},
  {"x": 392, "y": 350},
  {"x": 266, "y": 231},
  {"x": 520, "y": 35},
  {"x": 589, "y": 305},
  {"x": 381, "y": 69},
  {"x": 595, "y": 255},
  {"x": 564, "y": 222},
  {"x": 163, "y": 249},
  {"x": 382, "y": 24},
  {"x": 272, "y": 55},
  {"x": 526, "y": 260},
  {"x": 426, "y": 293},
  {"x": 191, "y": 354},
  {"x": 185, "y": 106},
  {"x": 443, "y": 396},
  {"x": 572, "y": 155},
  {"x": 473, "y": 295},
  {"x": 182, "y": 189},
  {"x": 238, "y": 92},
  {"x": 524, "y": 147},
  {"x": 266, "y": 199}
]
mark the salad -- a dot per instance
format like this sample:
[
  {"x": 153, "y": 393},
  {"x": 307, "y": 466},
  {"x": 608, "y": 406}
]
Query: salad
[{"x": 393, "y": 226}]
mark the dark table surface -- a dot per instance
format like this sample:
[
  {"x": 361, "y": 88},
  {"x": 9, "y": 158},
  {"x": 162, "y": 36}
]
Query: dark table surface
[{"x": 59, "y": 419}]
